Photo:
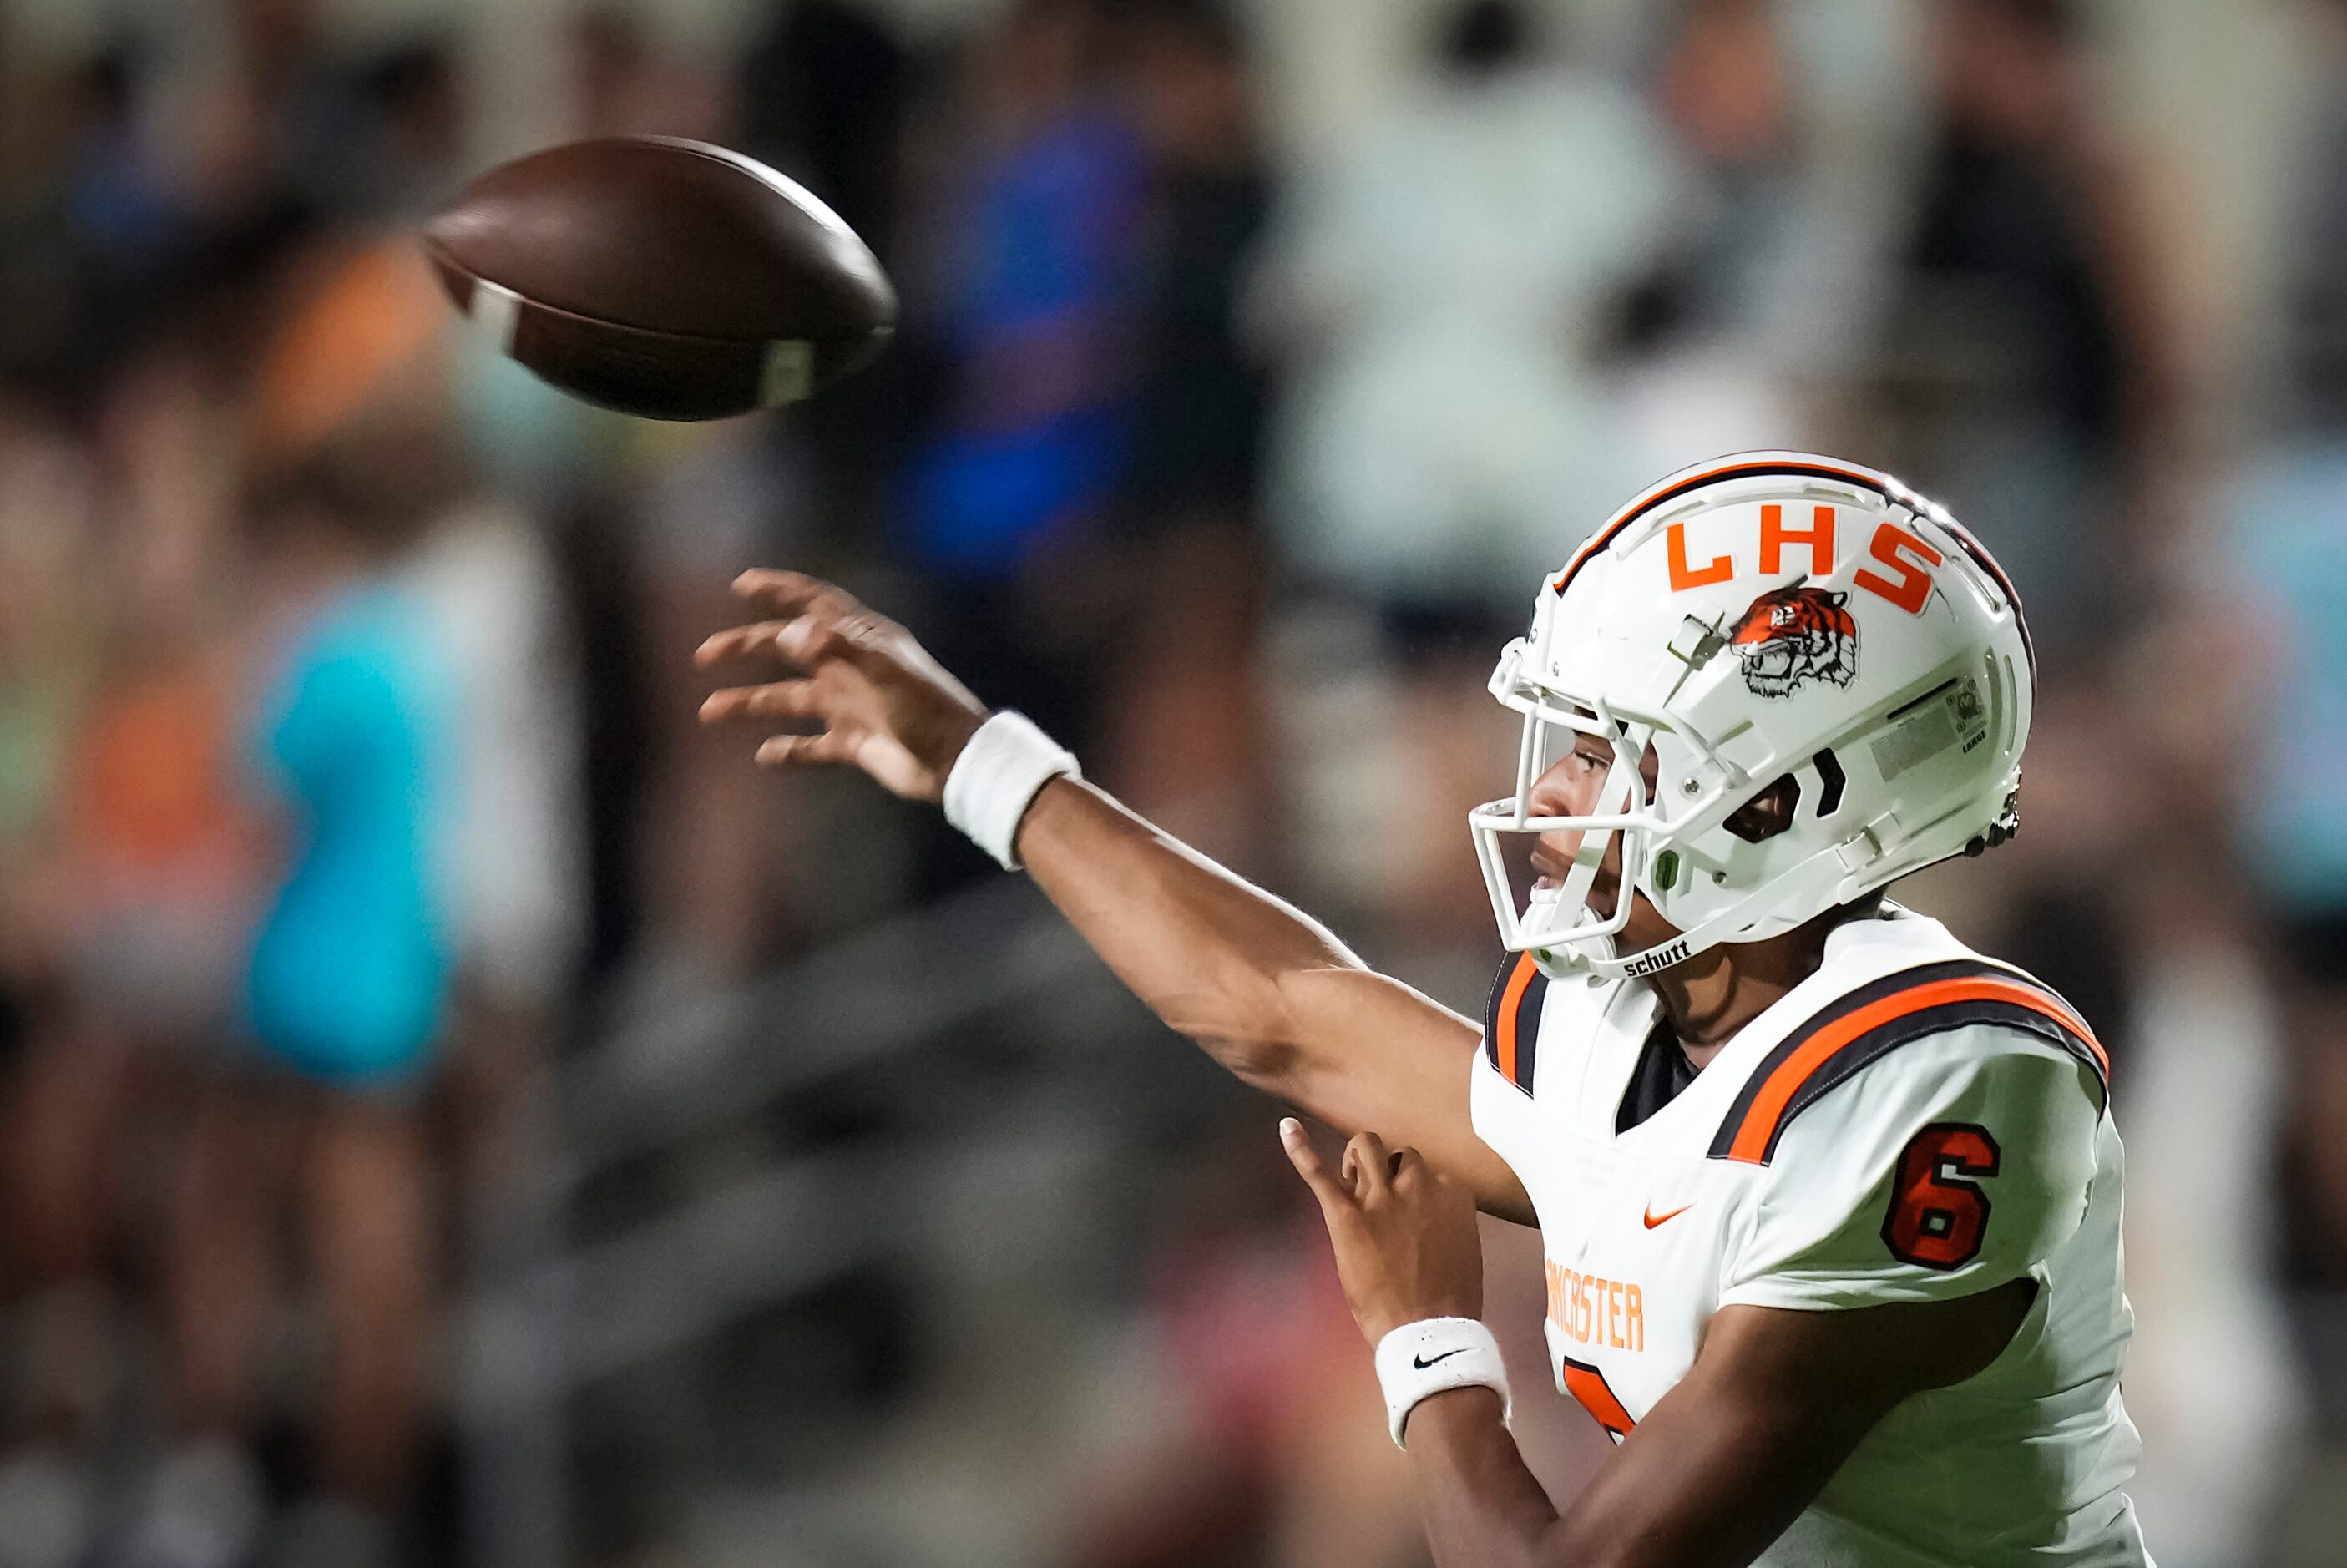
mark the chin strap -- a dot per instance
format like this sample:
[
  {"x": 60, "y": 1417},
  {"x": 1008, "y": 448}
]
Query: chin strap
[{"x": 1819, "y": 876}]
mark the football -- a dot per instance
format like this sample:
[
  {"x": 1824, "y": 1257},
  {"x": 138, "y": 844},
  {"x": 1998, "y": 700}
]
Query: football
[{"x": 665, "y": 277}]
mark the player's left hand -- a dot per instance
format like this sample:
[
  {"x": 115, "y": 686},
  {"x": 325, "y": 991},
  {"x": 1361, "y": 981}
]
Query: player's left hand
[{"x": 1407, "y": 1246}]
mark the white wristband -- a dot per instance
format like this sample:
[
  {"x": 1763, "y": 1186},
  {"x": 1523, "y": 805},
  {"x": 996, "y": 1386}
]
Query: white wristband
[
  {"x": 1433, "y": 1355},
  {"x": 998, "y": 775}
]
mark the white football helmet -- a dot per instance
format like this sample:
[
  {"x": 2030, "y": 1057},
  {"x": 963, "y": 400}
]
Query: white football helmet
[{"x": 1771, "y": 614}]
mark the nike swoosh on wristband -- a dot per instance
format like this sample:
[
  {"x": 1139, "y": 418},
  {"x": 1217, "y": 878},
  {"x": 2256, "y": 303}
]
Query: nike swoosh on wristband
[
  {"x": 1422, "y": 1364},
  {"x": 1654, "y": 1219}
]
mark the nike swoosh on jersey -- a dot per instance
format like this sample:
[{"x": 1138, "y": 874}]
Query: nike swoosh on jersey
[{"x": 1654, "y": 1219}]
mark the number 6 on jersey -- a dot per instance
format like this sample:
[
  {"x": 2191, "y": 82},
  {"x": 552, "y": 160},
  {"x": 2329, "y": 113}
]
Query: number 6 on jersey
[{"x": 1937, "y": 1219}]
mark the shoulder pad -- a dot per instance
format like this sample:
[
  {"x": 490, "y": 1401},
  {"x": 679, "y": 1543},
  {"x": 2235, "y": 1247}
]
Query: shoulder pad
[{"x": 1856, "y": 1029}]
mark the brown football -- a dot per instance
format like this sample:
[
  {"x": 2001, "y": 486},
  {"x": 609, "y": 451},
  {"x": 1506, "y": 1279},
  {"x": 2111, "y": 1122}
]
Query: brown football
[{"x": 660, "y": 277}]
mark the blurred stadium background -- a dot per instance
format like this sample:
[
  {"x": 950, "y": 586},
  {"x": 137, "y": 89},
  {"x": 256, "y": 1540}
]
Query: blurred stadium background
[{"x": 455, "y": 1112}]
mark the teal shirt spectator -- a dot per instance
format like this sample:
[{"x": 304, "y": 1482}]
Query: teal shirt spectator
[
  {"x": 2292, "y": 537},
  {"x": 350, "y": 968}
]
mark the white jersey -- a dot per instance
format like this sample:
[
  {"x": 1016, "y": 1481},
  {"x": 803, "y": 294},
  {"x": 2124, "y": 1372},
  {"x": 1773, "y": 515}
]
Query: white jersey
[{"x": 1912, "y": 1123}]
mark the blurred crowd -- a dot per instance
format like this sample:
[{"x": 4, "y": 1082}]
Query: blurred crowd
[{"x": 1257, "y": 360}]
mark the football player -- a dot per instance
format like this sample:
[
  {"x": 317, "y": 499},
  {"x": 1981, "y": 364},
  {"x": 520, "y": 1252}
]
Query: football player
[{"x": 1830, "y": 1203}]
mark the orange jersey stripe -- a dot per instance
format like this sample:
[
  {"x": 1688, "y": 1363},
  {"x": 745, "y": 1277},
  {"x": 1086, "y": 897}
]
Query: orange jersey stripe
[
  {"x": 1588, "y": 1385},
  {"x": 1768, "y": 1108},
  {"x": 1511, "y": 1000}
]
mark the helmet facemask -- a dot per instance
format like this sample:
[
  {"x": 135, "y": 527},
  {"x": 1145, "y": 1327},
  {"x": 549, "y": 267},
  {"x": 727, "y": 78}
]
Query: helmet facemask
[{"x": 1558, "y": 924}]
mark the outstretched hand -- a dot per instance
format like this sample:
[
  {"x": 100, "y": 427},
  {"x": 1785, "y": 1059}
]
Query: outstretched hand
[
  {"x": 882, "y": 703},
  {"x": 1407, "y": 1246}
]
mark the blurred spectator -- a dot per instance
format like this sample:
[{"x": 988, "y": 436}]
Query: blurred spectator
[
  {"x": 258, "y": 123},
  {"x": 1198, "y": 405},
  {"x": 58, "y": 1311},
  {"x": 1730, "y": 341},
  {"x": 1443, "y": 297},
  {"x": 2290, "y": 539},
  {"x": 1184, "y": 741},
  {"x": 1035, "y": 329},
  {"x": 97, "y": 241},
  {"x": 117, "y": 197},
  {"x": 1721, "y": 89},
  {"x": 2212, "y": 1377},
  {"x": 146, "y": 893},
  {"x": 347, "y": 992},
  {"x": 2286, "y": 553},
  {"x": 2028, "y": 352},
  {"x": 511, "y": 855}
]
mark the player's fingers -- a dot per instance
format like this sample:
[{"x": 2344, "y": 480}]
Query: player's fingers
[
  {"x": 815, "y": 638},
  {"x": 738, "y": 641},
  {"x": 1308, "y": 1162},
  {"x": 789, "y": 592},
  {"x": 831, "y": 747},
  {"x": 1365, "y": 1158},
  {"x": 872, "y": 643},
  {"x": 780, "y": 700},
  {"x": 861, "y": 640},
  {"x": 1405, "y": 1170}
]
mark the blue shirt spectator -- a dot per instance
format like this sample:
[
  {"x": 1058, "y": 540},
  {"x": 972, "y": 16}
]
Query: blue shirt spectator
[
  {"x": 1035, "y": 321},
  {"x": 2295, "y": 553},
  {"x": 350, "y": 970}
]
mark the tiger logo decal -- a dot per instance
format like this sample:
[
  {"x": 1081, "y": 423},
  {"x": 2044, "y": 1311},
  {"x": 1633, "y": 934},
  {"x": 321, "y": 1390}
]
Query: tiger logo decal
[{"x": 1794, "y": 636}]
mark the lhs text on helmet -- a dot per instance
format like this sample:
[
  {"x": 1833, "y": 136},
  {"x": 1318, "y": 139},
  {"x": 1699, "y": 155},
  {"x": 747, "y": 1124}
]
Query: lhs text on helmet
[{"x": 1895, "y": 548}]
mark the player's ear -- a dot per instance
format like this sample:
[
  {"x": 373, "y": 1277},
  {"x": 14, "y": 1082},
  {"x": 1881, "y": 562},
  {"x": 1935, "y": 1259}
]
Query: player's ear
[{"x": 1767, "y": 813}]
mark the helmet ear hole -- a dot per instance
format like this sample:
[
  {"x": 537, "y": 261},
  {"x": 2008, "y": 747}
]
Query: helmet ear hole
[
  {"x": 1832, "y": 779},
  {"x": 1767, "y": 813}
]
